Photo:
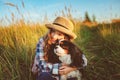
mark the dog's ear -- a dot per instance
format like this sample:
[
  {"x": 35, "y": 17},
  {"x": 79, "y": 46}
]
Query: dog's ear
[
  {"x": 76, "y": 56},
  {"x": 52, "y": 57}
]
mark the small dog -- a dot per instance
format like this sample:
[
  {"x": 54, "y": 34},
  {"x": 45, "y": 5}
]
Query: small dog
[{"x": 71, "y": 55}]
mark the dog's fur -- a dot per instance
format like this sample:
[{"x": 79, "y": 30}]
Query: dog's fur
[{"x": 68, "y": 53}]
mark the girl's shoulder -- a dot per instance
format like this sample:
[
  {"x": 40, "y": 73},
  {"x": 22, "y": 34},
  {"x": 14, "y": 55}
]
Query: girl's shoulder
[
  {"x": 40, "y": 42},
  {"x": 41, "y": 39}
]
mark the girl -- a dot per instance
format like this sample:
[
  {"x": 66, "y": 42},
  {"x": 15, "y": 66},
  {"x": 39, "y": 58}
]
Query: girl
[{"x": 61, "y": 28}]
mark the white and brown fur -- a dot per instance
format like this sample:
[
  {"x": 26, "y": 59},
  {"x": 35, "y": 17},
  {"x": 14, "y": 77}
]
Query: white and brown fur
[{"x": 68, "y": 53}]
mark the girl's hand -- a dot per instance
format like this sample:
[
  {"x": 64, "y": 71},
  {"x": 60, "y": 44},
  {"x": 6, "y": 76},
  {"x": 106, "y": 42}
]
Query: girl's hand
[
  {"x": 35, "y": 69},
  {"x": 63, "y": 70}
]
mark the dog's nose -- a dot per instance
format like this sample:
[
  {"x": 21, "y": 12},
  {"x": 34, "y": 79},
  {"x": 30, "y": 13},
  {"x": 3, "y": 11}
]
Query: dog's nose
[{"x": 56, "y": 47}]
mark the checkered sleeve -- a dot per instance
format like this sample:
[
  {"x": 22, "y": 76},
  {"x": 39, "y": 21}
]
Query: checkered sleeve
[{"x": 39, "y": 62}]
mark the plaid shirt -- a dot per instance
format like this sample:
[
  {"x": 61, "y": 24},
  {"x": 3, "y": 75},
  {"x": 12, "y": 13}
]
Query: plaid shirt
[{"x": 42, "y": 66}]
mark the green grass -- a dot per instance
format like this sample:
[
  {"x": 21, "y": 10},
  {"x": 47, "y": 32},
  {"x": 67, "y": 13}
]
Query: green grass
[{"x": 101, "y": 44}]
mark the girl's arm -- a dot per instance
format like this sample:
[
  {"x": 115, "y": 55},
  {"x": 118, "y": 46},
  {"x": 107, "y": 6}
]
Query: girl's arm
[{"x": 65, "y": 69}]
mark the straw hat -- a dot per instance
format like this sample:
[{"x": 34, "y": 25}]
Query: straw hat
[{"x": 63, "y": 25}]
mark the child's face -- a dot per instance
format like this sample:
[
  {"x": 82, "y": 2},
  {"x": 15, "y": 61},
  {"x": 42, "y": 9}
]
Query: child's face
[{"x": 56, "y": 35}]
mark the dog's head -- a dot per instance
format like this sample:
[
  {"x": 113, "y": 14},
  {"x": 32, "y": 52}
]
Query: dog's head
[{"x": 62, "y": 48}]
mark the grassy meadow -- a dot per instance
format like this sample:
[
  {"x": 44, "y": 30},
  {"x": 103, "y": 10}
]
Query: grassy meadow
[
  {"x": 17, "y": 49},
  {"x": 100, "y": 44}
]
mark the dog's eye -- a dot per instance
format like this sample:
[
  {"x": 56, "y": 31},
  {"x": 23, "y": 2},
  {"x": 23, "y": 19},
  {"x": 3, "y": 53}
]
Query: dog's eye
[{"x": 64, "y": 47}]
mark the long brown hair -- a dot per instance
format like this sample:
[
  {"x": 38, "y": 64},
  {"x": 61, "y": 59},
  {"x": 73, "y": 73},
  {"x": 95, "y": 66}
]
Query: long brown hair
[{"x": 49, "y": 48}]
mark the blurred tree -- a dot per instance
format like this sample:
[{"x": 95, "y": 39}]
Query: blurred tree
[{"x": 87, "y": 18}]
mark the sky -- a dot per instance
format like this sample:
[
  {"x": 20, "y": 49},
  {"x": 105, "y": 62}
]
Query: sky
[{"x": 37, "y": 10}]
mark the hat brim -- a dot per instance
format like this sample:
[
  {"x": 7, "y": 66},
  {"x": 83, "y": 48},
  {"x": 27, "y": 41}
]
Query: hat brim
[{"x": 62, "y": 29}]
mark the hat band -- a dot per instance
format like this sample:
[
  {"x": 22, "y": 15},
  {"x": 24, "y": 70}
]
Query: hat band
[{"x": 60, "y": 25}]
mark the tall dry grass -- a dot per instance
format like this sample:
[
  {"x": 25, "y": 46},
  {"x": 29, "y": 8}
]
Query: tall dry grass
[
  {"x": 99, "y": 43},
  {"x": 17, "y": 49}
]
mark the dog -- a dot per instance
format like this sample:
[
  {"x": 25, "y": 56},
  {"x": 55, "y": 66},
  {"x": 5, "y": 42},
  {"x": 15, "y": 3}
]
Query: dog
[
  {"x": 68, "y": 53},
  {"x": 64, "y": 51}
]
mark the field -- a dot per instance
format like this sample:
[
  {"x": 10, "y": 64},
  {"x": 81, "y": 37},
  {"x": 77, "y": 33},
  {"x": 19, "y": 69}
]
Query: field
[{"x": 100, "y": 43}]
